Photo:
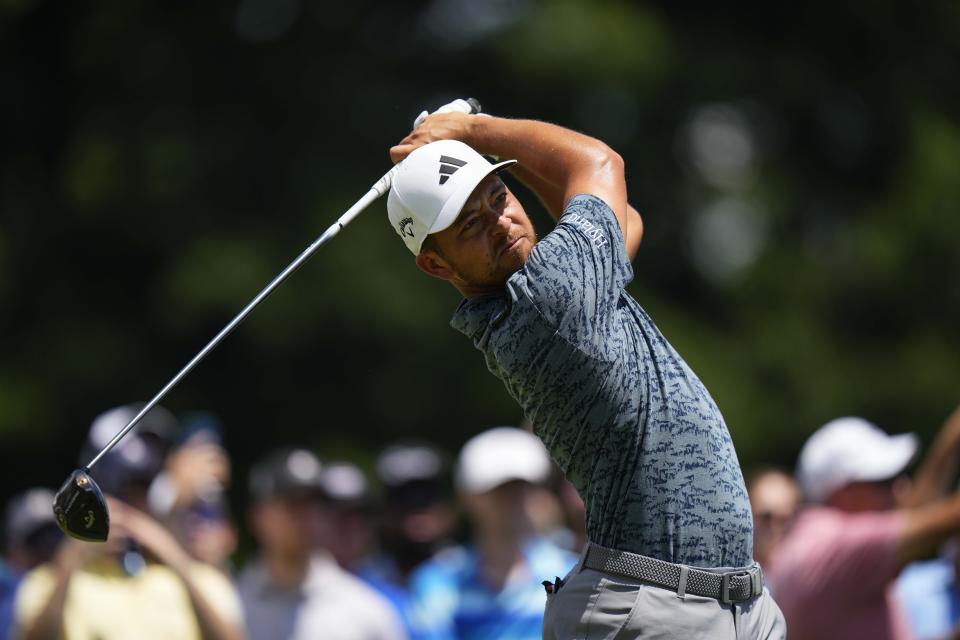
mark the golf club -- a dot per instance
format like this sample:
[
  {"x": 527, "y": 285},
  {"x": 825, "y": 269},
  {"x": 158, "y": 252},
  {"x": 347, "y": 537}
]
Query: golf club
[{"x": 79, "y": 505}]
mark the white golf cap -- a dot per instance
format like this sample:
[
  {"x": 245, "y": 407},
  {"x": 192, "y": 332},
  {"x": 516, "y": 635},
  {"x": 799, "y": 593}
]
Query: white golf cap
[
  {"x": 501, "y": 455},
  {"x": 431, "y": 186},
  {"x": 849, "y": 450}
]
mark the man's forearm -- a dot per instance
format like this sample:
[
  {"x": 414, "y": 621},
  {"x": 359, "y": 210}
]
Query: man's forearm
[
  {"x": 49, "y": 622},
  {"x": 550, "y": 195},
  {"x": 927, "y": 527},
  {"x": 558, "y": 163},
  {"x": 551, "y": 153},
  {"x": 211, "y": 623},
  {"x": 552, "y": 198},
  {"x": 552, "y": 157},
  {"x": 938, "y": 473}
]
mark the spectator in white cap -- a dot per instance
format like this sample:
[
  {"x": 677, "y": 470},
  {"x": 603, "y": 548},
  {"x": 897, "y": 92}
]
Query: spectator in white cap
[
  {"x": 833, "y": 574},
  {"x": 492, "y": 588}
]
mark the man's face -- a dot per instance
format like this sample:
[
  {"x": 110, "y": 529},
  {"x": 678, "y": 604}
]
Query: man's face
[
  {"x": 774, "y": 500},
  {"x": 503, "y": 510},
  {"x": 858, "y": 497},
  {"x": 289, "y": 526},
  {"x": 490, "y": 240}
]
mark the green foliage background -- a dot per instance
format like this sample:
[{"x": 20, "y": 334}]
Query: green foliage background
[{"x": 160, "y": 162}]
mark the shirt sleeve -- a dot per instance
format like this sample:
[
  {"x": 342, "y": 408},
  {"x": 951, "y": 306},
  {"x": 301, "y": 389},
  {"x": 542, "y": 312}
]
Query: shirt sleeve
[{"x": 576, "y": 273}]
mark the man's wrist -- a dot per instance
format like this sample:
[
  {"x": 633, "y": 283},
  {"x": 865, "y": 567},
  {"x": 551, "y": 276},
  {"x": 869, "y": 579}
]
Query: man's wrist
[{"x": 477, "y": 133}]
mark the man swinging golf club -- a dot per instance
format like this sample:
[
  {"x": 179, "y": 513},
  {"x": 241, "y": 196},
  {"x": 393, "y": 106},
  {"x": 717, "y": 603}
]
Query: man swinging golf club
[{"x": 634, "y": 429}]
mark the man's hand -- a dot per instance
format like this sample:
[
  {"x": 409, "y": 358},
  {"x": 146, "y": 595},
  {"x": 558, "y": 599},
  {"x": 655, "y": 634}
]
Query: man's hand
[
  {"x": 156, "y": 539},
  {"x": 195, "y": 467},
  {"x": 937, "y": 474},
  {"x": 436, "y": 126},
  {"x": 127, "y": 522},
  {"x": 557, "y": 163},
  {"x": 71, "y": 555}
]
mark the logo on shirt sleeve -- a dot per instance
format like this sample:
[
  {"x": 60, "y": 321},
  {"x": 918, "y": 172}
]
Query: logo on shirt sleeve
[{"x": 597, "y": 235}]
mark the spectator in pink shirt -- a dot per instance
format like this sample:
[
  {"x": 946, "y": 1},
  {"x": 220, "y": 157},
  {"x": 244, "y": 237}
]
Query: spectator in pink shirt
[{"x": 833, "y": 574}]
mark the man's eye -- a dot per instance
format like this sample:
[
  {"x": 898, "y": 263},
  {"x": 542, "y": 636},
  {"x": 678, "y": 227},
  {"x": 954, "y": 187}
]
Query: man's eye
[
  {"x": 469, "y": 223},
  {"x": 501, "y": 196}
]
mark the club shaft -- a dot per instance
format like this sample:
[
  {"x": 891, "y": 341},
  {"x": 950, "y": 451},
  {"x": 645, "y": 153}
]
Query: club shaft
[{"x": 375, "y": 192}]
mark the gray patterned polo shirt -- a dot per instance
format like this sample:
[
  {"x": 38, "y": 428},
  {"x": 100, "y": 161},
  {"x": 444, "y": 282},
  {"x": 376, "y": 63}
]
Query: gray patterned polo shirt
[{"x": 623, "y": 415}]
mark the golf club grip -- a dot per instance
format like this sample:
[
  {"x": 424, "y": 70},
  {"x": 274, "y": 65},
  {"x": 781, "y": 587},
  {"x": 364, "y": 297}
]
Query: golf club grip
[{"x": 460, "y": 105}]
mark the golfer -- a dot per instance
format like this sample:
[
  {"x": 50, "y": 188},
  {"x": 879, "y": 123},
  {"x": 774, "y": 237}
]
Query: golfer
[{"x": 634, "y": 429}]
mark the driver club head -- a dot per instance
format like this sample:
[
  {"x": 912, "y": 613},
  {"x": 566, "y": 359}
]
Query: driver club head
[{"x": 80, "y": 508}]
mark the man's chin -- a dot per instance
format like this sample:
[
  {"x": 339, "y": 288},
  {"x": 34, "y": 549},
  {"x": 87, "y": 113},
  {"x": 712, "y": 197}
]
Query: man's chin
[{"x": 511, "y": 264}]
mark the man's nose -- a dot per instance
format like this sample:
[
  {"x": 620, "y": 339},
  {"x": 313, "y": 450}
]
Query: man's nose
[{"x": 501, "y": 223}]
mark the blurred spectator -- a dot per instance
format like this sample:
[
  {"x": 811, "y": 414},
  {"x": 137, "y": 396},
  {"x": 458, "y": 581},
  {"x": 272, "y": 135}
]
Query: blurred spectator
[
  {"x": 354, "y": 533},
  {"x": 774, "y": 499},
  {"x": 8, "y": 590},
  {"x": 295, "y": 589},
  {"x": 32, "y": 538},
  {"x": 492, "y": 589},
  {"x": 415, "y": 518},
  {"x": 417, "y": 514},
  {"x": 141, "y": 583},
  {"x": 833, "y": 574},
  {"x": 353, "y": 542},
  {"x": 189, "y": 495}
]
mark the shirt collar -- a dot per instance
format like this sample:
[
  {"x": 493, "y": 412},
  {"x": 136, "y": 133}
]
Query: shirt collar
[
  {"x": 319, "y": 572},
  {"x": 323, "y": 569}
]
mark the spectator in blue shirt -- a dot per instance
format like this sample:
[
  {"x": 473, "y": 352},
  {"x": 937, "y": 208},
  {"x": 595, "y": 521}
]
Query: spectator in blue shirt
[
  {"x": 491, "y": 588},
  {"x": 8, "y": 591},
  {"x": 931, "y": 595}
]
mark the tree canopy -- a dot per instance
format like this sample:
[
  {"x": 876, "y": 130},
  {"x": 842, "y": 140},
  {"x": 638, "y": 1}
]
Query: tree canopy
[{"x": 797, "y": 166}]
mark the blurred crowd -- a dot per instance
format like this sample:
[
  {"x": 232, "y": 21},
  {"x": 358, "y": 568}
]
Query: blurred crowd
[
  {"x": 860, "y": 540},
  {"x": 417, "y": 544}
]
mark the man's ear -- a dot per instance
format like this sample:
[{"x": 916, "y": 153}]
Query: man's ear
[{"x": 430, "y": 263}]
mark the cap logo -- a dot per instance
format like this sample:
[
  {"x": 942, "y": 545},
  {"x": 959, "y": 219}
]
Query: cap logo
[
  {"x": 406, "y": 227},
  {"x": 448, "y": 167}
]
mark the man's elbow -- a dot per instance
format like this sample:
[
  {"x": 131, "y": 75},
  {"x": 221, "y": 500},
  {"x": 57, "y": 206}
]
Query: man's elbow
[
  {"x": 635, "y": 222},
  {"x": 607, "y": 162}
]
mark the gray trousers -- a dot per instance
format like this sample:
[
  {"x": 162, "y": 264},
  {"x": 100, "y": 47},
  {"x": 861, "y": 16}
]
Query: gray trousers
[{"x": 593, "y": 605}]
